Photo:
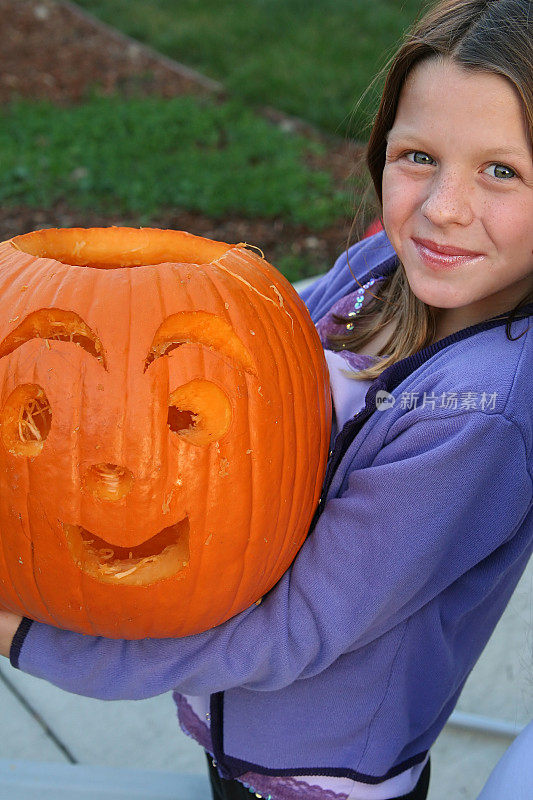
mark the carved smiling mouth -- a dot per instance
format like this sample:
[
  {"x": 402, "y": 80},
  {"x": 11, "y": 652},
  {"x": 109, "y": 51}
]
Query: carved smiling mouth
[{"x": 161, "y": 556}]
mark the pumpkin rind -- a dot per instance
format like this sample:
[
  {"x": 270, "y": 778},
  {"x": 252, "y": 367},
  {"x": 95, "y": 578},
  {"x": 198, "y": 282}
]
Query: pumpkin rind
[{"x": 230, "y": 495}]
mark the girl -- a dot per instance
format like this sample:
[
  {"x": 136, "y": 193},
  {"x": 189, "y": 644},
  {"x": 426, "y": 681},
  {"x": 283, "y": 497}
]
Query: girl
[{"x": 339, "y": 682}]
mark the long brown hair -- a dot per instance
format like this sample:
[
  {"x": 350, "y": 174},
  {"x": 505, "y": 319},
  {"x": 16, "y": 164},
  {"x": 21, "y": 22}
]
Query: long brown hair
[{"x": 486, "y": 35}]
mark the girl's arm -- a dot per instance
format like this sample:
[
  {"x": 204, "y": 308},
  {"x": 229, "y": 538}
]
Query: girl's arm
[
  {"x": 9, "y": 624},
  {"x": 439, "y": 510}
]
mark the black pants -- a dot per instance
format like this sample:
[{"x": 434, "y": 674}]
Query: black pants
[{"x": 233, "y": 790}]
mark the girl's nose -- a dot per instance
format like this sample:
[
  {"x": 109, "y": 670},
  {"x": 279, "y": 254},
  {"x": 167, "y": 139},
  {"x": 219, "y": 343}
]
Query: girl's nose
[{"x": 449, "y": 201}]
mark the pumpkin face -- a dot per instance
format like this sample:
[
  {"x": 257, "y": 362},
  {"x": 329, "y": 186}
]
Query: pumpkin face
[{"x": 164, "y": 428}]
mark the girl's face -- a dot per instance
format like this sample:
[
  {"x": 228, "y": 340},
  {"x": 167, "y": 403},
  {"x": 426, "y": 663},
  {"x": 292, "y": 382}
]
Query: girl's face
[{"x": 458, "y": 193}]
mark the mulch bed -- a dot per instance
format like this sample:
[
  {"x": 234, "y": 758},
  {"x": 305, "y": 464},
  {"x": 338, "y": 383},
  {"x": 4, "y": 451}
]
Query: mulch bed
[{"x": 52, "y": 49}]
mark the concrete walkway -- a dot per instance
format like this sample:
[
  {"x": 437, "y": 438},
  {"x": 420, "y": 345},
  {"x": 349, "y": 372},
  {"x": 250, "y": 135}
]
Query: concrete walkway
[{"x": 40, "y": 723}]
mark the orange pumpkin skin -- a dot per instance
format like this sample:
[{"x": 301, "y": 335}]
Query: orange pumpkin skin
[{"x": 165, "y": 420}]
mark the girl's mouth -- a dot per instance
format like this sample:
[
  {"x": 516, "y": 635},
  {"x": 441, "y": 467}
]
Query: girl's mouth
[
  {"x": 445, "y": 257},
  {"x": 161, "y": 556}
]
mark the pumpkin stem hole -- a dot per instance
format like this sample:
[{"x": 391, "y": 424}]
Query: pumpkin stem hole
[{"x": 119, "y": 247}]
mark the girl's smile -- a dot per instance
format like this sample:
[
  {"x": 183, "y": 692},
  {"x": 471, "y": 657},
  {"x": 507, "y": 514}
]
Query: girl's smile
[
  {"x": 458, "y": 192},
  {"x": 443, "y": 256}
]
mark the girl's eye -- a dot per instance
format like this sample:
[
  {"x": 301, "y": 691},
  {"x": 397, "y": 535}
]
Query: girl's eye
[
  {"x": 418, "y": 157},
  {"x": 501, "y": 171}
]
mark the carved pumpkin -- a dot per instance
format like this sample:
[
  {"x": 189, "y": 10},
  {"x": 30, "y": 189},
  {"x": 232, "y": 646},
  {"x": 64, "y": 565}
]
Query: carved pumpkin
[{"x": 164, "y": 428}]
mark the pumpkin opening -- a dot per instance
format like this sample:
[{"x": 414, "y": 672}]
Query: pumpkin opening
[
  {"x": 199, "y": 327},
  {"x": 161, "y": 556},
  {"x": 108, "y": 481},
  {"x": 114, "y": 247},
  {"x": 26, "y": 420},
  {"x": 179, "y": 421},
  {"x": 57, "y": 325},
  {"x": 199, "y": 411}
]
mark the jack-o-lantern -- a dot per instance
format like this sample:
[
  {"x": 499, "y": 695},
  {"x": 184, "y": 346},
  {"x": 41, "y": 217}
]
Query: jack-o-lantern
[{"x": 164, "y": 427}]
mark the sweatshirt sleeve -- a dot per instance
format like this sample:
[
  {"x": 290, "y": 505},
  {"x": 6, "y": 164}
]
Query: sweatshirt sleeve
[{"x": 442, "y": 496}]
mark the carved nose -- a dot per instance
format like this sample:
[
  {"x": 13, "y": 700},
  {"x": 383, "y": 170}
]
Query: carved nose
[{"x": 108, "y": 481}]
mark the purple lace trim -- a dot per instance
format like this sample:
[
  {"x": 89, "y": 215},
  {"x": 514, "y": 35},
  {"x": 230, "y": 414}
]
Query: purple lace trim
[
  {"x": 191, "y": 724},
  {"x": 272, "y": 788},
  {"x": 269, "y": 786},
  {"x": 349, "y": 305},
  {"x": 358, "y": 361}
]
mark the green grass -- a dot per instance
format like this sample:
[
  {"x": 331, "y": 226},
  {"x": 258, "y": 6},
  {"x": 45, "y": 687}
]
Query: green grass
[
  {"x": 310, "y": 58},
  {"x": 140, "y": 156}
]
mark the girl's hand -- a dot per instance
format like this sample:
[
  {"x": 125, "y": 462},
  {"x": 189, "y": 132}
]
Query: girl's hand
[{"x": 8, "y": 625}]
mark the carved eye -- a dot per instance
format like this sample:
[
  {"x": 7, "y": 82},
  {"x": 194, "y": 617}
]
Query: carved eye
[
  {"x": 26, "y": 419},
  {"x": 199, "y": 412}
]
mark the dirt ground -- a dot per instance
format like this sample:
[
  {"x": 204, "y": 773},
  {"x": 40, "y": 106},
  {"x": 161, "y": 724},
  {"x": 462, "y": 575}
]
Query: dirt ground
[{"x": 54, "y": 50}]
